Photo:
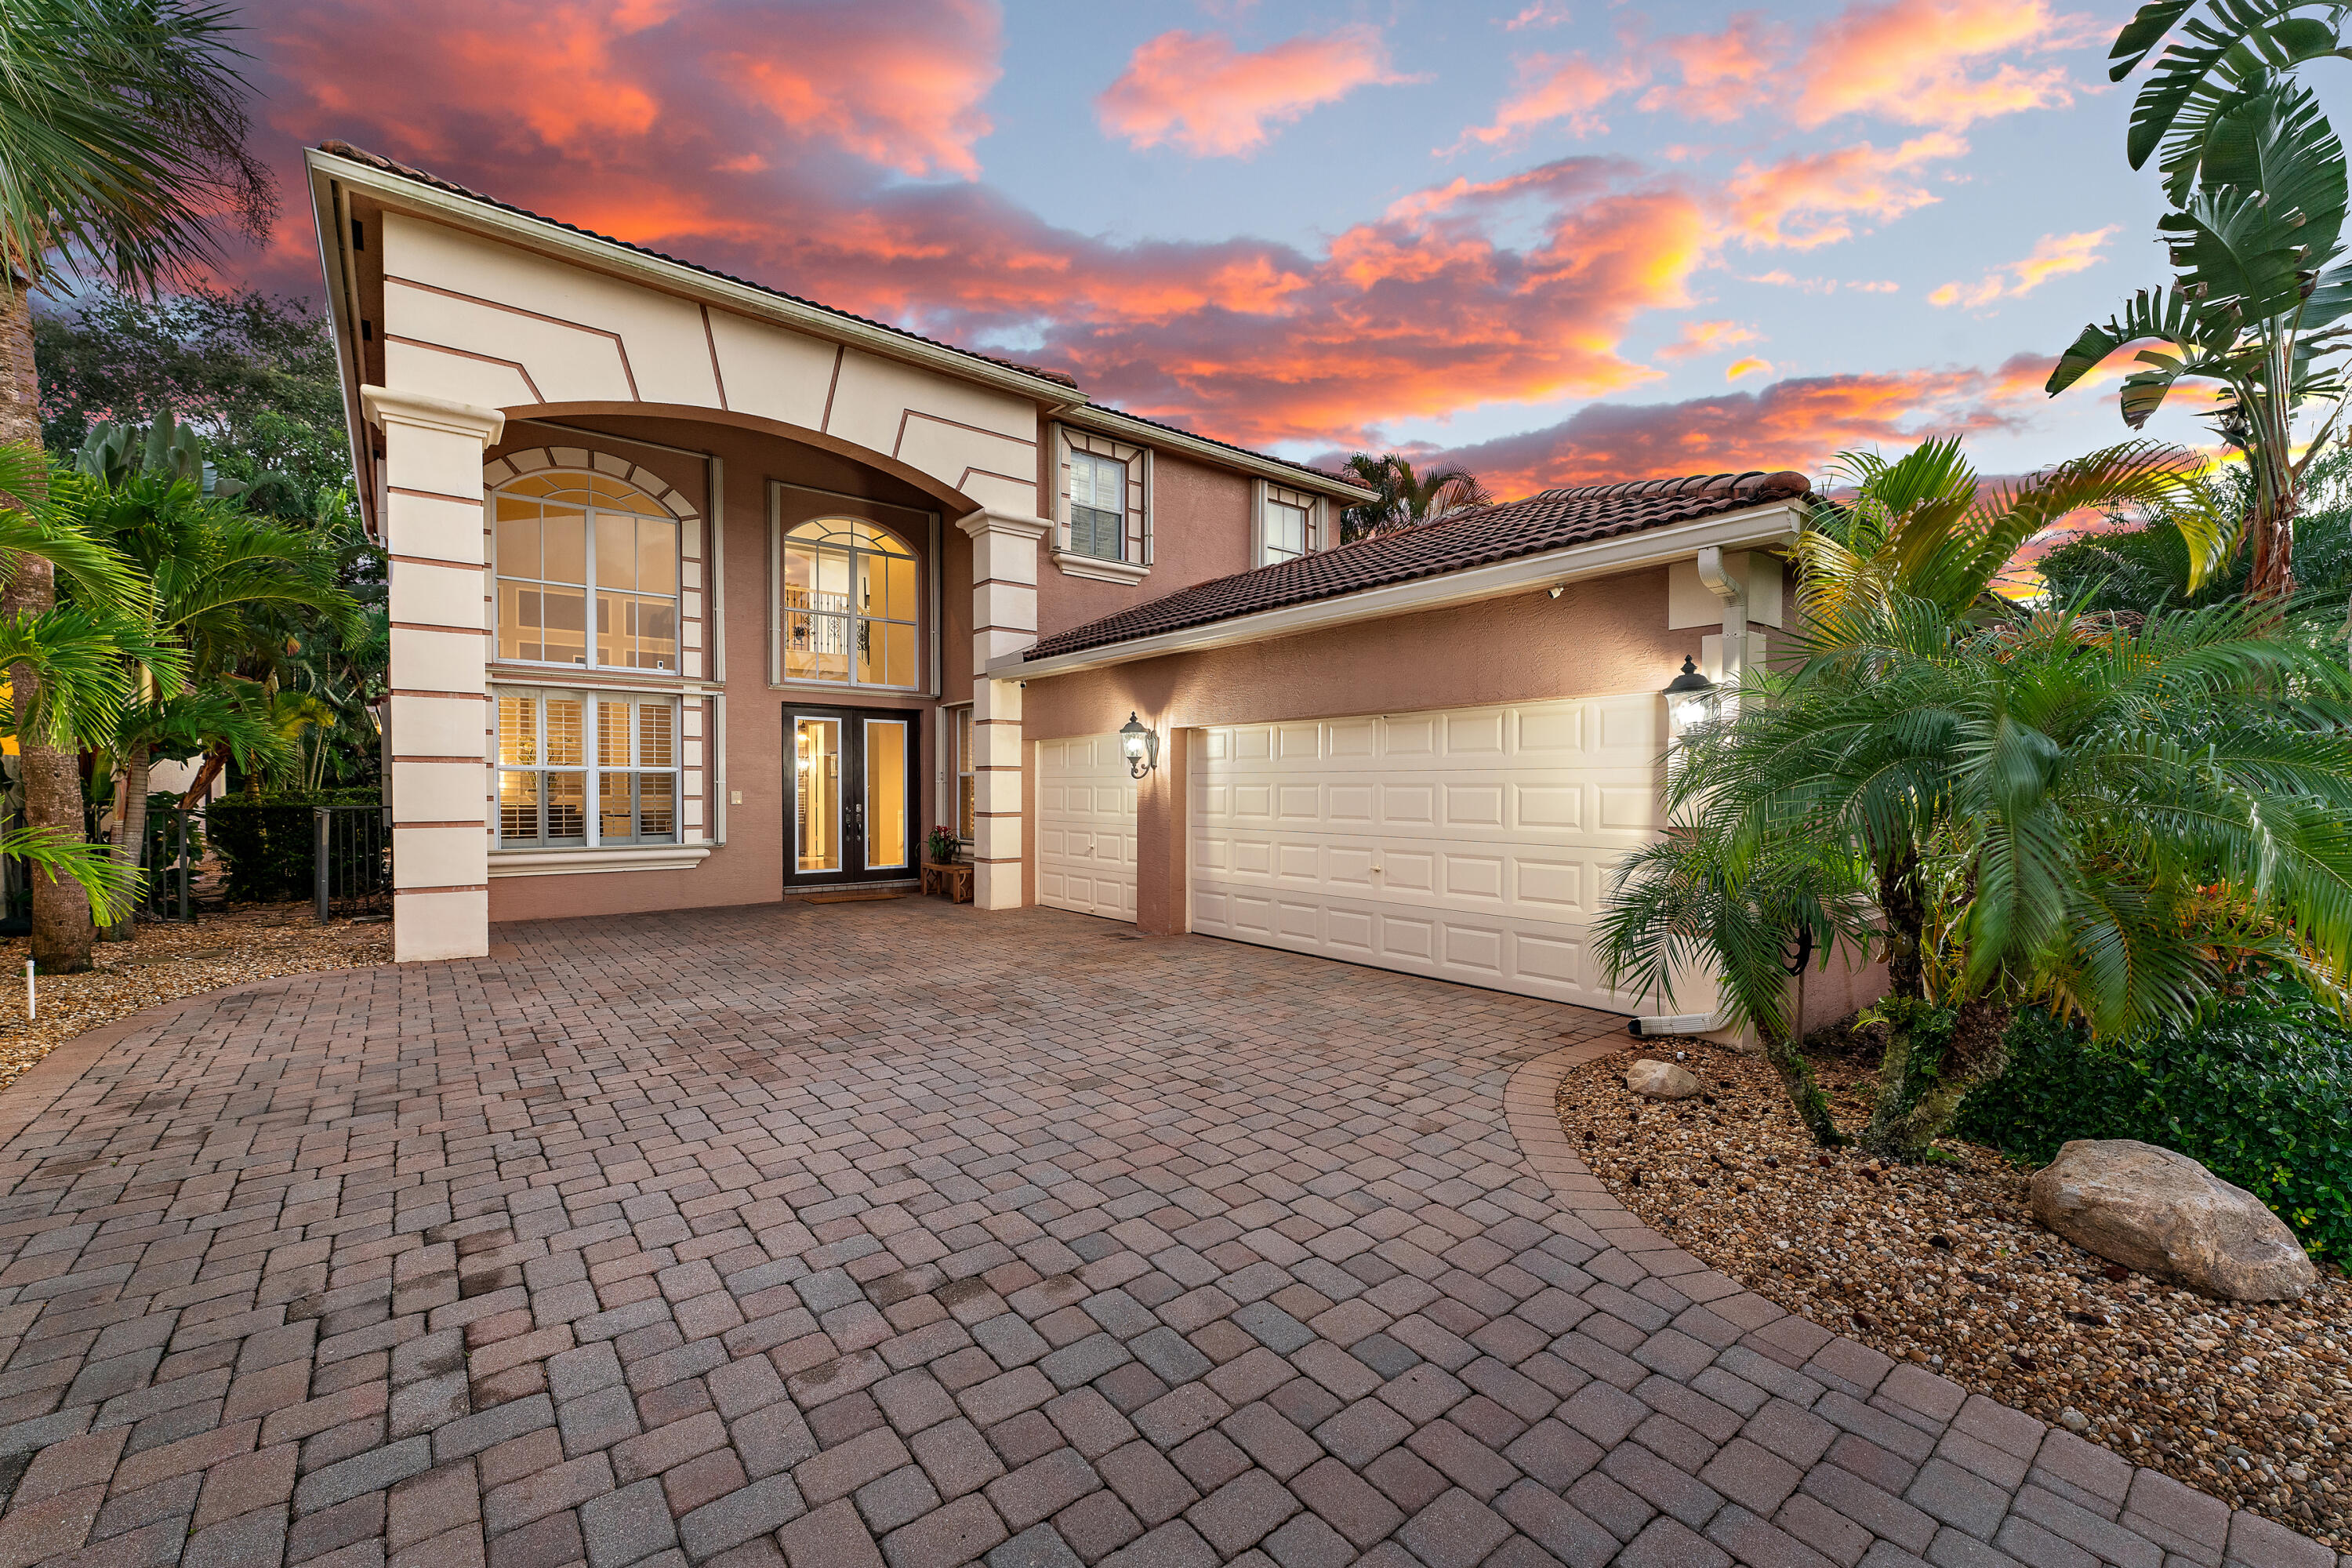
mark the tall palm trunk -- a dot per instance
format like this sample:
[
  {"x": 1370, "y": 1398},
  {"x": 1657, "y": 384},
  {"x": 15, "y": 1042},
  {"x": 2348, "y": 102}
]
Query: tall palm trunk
[
  {"x": 2272, "y": 525},
  {"x": 62, "y": 931}
]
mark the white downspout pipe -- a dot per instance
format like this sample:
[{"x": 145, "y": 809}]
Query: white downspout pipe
[{"x": 1734, "y": 595}]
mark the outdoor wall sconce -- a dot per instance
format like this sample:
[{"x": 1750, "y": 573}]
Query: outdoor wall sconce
[
  {"x": 1140, "y": 744},
  {"x": 1690, "y": 696}
]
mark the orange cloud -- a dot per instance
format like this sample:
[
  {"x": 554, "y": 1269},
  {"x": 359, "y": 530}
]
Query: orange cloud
[
  {"x": 1799, "y": 423},
  {"x": 1919, "y": 62},
  {"x": 1551, "y": 87},
  {"x": 1212, "y": 99},
  {"x": 2053, "y": 255},
  {"x": 1813, "y": 200},
  {"x": 908, "y": 100},
  {"x": 1751, "y": 365},
  {"x": 1707, "y": 337}
]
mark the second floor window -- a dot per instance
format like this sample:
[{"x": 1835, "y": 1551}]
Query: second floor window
[
  {"x": 1098, "y": 507},
  {"x": 587, "y": 574},
  {"x": 1285, "y": 531},
  {"x": 850, "y": 609}
]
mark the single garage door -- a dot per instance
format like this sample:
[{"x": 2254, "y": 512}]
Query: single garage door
[
  {"x": 1472, "y": 845},
  {"x": 1085, "y": 827}
]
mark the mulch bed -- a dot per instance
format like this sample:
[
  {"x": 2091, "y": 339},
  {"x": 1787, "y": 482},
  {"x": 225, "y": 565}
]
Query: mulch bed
[
  {"x": 167, "y": 961},
  {"x": 1943, "y": 1265}
]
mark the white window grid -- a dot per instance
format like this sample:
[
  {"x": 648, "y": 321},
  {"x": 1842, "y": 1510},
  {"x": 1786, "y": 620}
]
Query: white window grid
[
  {"x": 596, "y": 598},
  {"x": 587, "y": 770}
]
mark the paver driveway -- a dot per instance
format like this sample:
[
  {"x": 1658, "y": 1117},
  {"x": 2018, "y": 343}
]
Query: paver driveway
[{"x": 896, "y": 1233}]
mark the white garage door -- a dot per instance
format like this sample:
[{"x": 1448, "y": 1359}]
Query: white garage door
[
  {"x": 1085, "y": 827},
  {"x": 1472, "y": 845}
]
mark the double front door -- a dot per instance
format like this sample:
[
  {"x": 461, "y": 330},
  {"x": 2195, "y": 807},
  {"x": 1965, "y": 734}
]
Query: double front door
[{"x": 853, "y": 798}]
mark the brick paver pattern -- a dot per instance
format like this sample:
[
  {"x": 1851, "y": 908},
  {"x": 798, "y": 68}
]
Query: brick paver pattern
[{"x": 897, "y": 1234}]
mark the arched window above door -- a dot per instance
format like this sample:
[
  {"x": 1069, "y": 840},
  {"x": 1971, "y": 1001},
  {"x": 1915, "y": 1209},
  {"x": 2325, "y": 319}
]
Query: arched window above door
[
  {"x": 567, "y": 540},
  {"x": 851, "y": 609}
]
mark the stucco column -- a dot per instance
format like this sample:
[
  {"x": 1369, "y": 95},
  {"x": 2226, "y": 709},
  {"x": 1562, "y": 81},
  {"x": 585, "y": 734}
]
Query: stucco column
[
  {"x": 1162, "y": 835},
  {"x": 1004, "y": 621},
  {"x": 440, "y": 656}
]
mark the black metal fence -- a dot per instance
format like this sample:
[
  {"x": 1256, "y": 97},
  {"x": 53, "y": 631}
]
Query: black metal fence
[
  {"x": 352, "y": 861},
  {"x": 174, "y": 854}
]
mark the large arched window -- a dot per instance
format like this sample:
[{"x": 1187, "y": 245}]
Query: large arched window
[
  {"x": 850, "y": 609},
  {"x": 566, "y": 541}
]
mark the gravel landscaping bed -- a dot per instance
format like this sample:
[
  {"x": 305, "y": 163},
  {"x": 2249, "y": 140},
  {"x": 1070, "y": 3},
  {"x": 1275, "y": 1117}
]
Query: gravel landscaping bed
[
  {"x": 169, "y": 960},
  {"x": 1943, "y": 1265}
]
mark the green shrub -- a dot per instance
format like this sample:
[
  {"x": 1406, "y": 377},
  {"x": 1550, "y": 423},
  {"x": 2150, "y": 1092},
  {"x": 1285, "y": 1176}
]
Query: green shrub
[
  {"x": 2260, "y": 1093},
  {"x": 266, "y": 846}
]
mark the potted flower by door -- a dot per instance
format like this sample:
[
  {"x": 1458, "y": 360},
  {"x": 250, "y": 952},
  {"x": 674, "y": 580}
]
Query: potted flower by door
[{"x": 944, "y": 847}]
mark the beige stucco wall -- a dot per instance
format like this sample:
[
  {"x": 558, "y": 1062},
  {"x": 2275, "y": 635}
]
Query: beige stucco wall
[{"x": 487, "y": 323}]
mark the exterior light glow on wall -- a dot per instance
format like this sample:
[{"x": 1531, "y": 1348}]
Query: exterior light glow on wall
[
  {"x": 1690, "y": 697},
  {"x": 1140, "y": 745}
]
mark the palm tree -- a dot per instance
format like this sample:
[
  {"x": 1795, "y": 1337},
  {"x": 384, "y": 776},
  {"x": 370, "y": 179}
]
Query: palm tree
[
  {"x": 2029, "y": 797},
  {"x": 2257, "y": 182},
  {"x": 216, "y": 575},
  {"x": 123, "y": 133},
  {"x": 1405, "y": 498}
]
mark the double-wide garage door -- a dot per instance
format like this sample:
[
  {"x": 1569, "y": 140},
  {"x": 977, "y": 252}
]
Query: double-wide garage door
[
  {"x": 1472, "y": 845},
  {"x": 1085, "y": 827}
]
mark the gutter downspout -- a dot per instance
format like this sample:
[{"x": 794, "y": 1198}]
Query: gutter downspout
[{"x": 1734, "y": 595}]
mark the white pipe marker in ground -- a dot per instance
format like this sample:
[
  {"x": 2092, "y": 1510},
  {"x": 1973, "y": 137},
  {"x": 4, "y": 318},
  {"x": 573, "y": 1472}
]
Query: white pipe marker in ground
[{"x": 31, "y": 1007}]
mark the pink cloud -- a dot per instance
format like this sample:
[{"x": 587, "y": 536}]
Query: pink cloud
[
  {"x": 1920, "y": 62},
  {"x": 908, "y": 100},
  {"x": 1799, "y": 423},
  {"x": 1816, "y": 199},
  {"x": 2053, "y": 255},
  {"x": 1559, "y": 88},
  {"x": 1709, "y": 337},
  {"x": 1202, "y": 95},
  {"x": 1723, "y": 75}
]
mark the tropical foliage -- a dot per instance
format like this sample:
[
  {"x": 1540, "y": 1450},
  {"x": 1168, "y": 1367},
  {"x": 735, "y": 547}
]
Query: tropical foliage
[
  {"x": 2256, "y": 179},
  {"x": 123, "y": 136},
  {"x": 2029, "y": 801},
  {"x": 1406, "y": 497}
]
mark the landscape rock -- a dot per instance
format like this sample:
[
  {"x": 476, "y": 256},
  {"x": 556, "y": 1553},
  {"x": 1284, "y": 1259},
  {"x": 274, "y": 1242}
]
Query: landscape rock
[
  {"x": 2163, "y": 1213},
  {"x": 1660, "y": 1080}
]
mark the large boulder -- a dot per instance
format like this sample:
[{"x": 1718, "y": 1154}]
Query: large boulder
[
  {"x": 1660, "y": 1080},
  {"x": 2162, "y": 1212}
]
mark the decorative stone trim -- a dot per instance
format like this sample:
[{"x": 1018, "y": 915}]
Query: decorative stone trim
[
  {"x": 1096, "y": 569},
  {"x": 622, "y": 857},
  {"x": 535, "y": 459},
  {"x": 1138, "y": 507}
]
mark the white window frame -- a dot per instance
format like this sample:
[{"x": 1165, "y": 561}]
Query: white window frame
[
  {"x": 1267, "y": 493},
  {"x": 591, "y": 770},
  {"x": 655, "y": 513},
  {"x": 780, "y": 541},
  {"x": 1137, "y": 540},
  {"x": 958, "y": 762}
]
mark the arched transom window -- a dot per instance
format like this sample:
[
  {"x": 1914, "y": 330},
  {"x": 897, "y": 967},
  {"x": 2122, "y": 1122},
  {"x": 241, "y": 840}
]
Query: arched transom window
[
  {"x": 566, "y": 541},
  {"x": 850, "y": 610}
]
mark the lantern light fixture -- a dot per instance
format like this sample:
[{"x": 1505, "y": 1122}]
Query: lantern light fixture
[
  {"x": 1139, "y": 744},
  {"x": 1690, "y": 696}
]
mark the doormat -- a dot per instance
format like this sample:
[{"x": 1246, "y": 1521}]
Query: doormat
[{"x": 847, "y": 898}]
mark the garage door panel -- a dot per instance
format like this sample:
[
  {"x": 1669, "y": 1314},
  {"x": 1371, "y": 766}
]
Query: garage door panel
[
  {"x": 1471, "y": 845},
  {"x": 1085, "y": 827}
]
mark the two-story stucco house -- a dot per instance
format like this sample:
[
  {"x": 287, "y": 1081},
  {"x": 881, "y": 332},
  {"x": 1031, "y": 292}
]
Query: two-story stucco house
[{"x": 704, "y": 595}]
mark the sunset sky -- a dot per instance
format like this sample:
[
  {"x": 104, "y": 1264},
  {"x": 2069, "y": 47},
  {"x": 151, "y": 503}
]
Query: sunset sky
[{"x": 1564, "y": 241}]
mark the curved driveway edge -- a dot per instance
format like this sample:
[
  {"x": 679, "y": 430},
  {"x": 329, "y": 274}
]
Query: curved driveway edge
[
  {"x": 895, "y": 1234},
  {"x": 2068, "y": 1501}
]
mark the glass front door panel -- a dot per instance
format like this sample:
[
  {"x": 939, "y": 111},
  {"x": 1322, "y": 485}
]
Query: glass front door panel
[
  {"x": 816, "y": 761},
  {"x": 886, "y": 794}
]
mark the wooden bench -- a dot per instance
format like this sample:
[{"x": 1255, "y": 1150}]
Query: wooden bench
[{"x": 951, "y": 877}]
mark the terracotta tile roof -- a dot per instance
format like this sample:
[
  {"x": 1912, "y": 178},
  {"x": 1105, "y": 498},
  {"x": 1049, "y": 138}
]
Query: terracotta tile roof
[{"x": 1477, "y": 537}]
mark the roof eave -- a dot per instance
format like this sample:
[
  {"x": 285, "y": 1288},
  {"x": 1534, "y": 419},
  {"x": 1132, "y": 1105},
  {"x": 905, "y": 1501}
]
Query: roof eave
[
  {"x": 675, "y": 278},
  {"x": 335, "y": 263},
  {"x": 1777, "y": 522},
  {"x": 1145, "y": 433}
]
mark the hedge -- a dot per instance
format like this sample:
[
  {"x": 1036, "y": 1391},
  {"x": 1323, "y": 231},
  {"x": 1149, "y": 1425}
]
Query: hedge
[
  {"x": 267, "y": 846},
  {"x": 2260, "y": 1093}
]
